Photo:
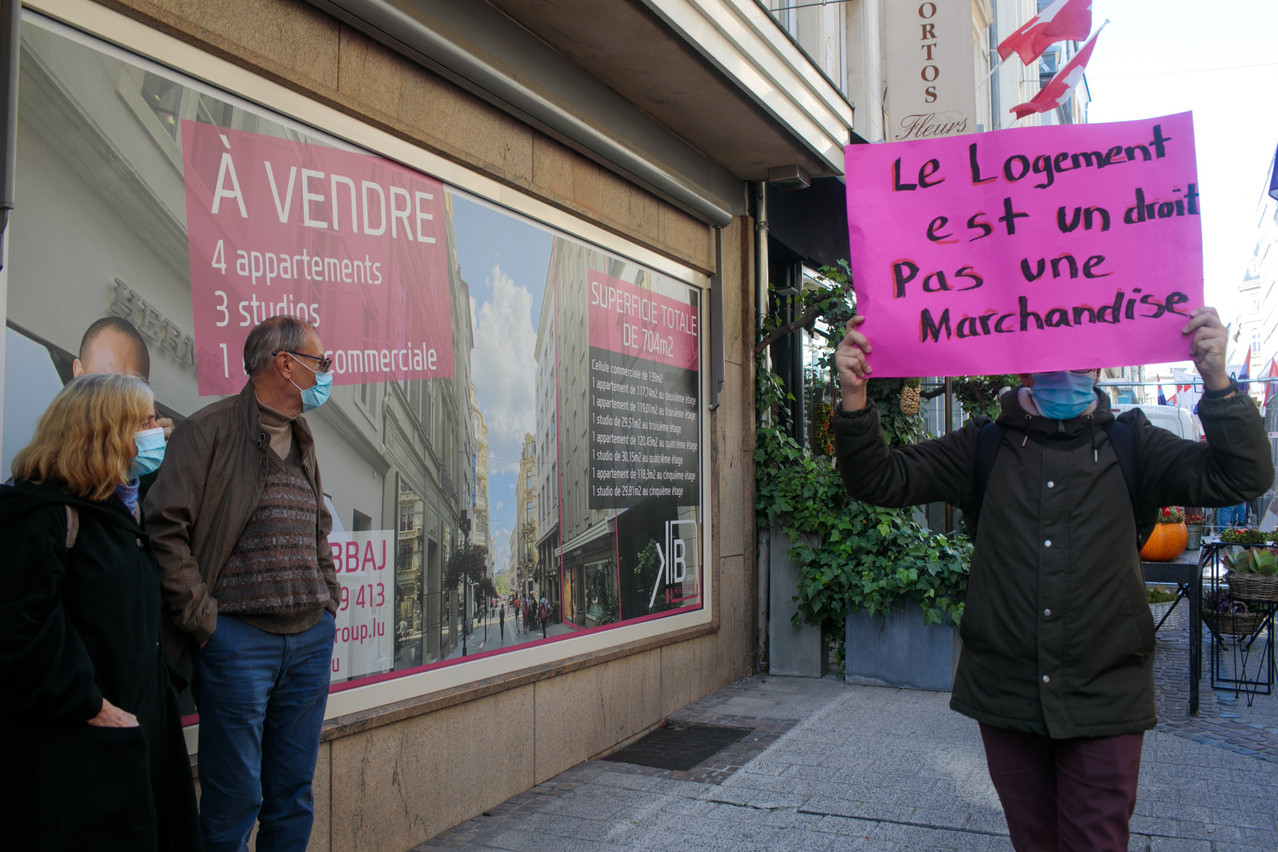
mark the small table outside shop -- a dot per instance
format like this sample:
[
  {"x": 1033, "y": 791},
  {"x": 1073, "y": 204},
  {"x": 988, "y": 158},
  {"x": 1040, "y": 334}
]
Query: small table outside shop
[
  {"x": 1186, "y": 572},
  {"x": 1249, "y": 637}
]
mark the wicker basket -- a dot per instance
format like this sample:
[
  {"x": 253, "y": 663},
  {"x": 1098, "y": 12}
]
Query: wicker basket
[
  {"x": 1252, "y": 587},
  {"x": 1242, "y": 623}
]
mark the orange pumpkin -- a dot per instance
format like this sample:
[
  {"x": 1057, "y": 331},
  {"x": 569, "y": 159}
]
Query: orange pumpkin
[{"x": 1165, "y": 543}]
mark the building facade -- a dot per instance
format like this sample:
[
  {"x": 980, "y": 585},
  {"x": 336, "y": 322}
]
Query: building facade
[{"x": 410, "y": 176}]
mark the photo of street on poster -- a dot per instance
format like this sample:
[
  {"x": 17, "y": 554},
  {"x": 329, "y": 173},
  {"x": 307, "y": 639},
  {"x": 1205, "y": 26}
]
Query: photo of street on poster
[
  {"x": 380, "y": 258},
  {"x": 360, "y": 247}
]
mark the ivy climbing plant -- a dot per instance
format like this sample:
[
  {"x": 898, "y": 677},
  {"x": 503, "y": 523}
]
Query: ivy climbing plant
[
  {"x": 980, "y": 394},
  {"x": 850, "y": 555}
]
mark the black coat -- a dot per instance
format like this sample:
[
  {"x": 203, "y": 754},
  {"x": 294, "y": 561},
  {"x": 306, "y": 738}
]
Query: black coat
[
  {"x": 1057, "y": 635},
  {"x": 78, "y": 625}
]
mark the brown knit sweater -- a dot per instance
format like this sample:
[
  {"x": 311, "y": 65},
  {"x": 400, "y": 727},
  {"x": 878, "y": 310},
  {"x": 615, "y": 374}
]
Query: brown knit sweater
[{"x": 272, "y": 579}]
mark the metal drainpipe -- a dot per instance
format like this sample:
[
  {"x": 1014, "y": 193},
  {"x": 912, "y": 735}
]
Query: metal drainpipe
[
  {"x": 764, "y": 535},
  {"x": 949, "y": 425}
]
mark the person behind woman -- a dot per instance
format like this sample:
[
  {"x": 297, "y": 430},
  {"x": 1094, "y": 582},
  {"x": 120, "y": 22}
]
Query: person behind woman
[{"x": 94, "y": 756}]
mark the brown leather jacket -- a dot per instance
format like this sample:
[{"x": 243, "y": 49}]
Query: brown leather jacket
[
  {"x": 1057, "y": 635},
  {"x": 208, "y": 487}
]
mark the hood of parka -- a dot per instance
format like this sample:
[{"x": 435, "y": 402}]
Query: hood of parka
[{"x": 1015, "y": 416}]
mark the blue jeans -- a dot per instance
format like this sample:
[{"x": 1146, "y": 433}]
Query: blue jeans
[
  {"x": 1231, "y": 516},
  {"x": 261, "y": 698}
]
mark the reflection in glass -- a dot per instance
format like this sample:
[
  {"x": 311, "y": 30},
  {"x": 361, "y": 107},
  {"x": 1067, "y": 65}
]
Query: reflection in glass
[
  {"x": 409, "y": 577},
  {"x": 498, "y": 454},
  {"x": 601, "y": 593}
]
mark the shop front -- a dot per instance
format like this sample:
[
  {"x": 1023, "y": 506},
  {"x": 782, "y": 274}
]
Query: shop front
[{"x": 476, "y": 281}]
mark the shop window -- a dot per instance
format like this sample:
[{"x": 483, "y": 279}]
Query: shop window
[{"x": 574, "y": 342}]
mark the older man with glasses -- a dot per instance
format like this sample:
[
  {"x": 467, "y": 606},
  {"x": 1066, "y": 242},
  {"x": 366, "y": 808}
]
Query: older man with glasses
[{"x": 240, "y": 529}]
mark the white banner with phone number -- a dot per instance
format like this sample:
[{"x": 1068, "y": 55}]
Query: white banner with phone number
[{"x": 365, "y": 643}]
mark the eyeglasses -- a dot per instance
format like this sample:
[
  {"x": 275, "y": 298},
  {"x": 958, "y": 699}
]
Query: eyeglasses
[{"x": 322, "y": 363}]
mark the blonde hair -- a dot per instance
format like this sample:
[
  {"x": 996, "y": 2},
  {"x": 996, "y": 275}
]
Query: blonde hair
[{"x": 85, "y": 437}]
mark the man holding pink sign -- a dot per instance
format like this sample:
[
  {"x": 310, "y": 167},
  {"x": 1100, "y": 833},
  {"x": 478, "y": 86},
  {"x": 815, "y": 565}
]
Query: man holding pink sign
[
  {"x": 1057, "y": 655},
  {"x": 1047, "y": 251}
]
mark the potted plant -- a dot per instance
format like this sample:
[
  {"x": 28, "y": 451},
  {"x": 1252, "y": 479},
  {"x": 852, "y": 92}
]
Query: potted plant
[
  {"x": 849, "y": 557},
  {"x": 1194, "y": 526},
  {"x": 1169, "y": 537},
  {"x": 1241, "y": 535},
  {"x": 1252, "y": 574},
  {"x": 1160, "y": 599},
  {"x": 1225, "y": 616}
]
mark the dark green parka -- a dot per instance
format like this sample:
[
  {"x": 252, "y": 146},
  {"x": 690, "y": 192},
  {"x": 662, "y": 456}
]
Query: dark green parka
[{"x": 1057, "y": 635}]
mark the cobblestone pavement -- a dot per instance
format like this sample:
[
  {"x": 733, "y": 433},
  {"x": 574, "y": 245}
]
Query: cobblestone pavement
[
  {"x": 1226, "y": 719},
  {"x": 829, "y": 765}
]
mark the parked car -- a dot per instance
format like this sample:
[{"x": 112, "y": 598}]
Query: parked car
[{"x": 1179, "y": 421}]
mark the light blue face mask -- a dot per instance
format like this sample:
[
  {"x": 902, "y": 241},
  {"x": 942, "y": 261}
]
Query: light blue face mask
[
  {"x": 1064, "y": 394},
  {"x": 315, "y": 396},
  {"x": 150, "y": 452}
]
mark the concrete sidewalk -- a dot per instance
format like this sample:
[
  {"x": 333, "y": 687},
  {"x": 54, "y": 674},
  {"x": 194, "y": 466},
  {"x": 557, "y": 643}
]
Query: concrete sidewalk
[{"x": 828, "y": 765}]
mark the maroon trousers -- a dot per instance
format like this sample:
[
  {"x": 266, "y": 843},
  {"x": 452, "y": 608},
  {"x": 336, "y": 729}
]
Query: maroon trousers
[{"x": 1064, "y": 795}]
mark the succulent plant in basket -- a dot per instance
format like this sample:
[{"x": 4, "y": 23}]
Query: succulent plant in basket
[
  {"x": 1257, "y": 560},
  {"x": 1253, "y": 574}
]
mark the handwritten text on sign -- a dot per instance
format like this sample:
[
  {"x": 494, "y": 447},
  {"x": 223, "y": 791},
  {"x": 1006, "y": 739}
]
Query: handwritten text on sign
[
  {"x": 1039, "y": 248},
  {"x": 353, "y": 244}
]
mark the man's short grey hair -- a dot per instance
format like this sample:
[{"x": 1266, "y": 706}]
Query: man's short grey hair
[{"x": 279, "y": 333}]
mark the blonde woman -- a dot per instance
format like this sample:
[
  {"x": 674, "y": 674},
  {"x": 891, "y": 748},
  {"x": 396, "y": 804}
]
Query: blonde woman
[{"x": 92, "y": 743}]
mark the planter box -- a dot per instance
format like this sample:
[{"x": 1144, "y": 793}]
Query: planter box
[
  {"x": 899, "y": 650},
  {"x": 795, "y": 651}
]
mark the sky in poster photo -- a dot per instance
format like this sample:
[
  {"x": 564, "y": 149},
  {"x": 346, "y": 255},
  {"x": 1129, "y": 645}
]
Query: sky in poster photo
[{"x": 504, "y": 261}]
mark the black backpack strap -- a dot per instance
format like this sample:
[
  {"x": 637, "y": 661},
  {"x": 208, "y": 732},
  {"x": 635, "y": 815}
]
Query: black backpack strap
[
  {"x": 1123, "y": 440},
  {"x": 988, "y": 440}
]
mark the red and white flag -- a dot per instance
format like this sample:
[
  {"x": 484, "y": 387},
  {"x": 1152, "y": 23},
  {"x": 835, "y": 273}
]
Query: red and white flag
[
  {"x": 1064, "y": 19},
  {"x": 1061, "y": 86},
  {"x": 1272, "y": 375},
  {"x": 1187, "y": 394}
]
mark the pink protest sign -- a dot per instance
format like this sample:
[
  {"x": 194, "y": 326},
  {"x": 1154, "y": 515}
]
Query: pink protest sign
[
  {"x": 1025, "y": 250},
  {"x": 354, "y": 244}
]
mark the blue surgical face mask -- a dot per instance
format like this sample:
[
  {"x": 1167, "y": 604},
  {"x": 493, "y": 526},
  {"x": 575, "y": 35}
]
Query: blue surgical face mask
[
  {"x": 150, "y": 452},
  {"x": 1064, "y": 394},
  {"x": 316, "y": 395}
]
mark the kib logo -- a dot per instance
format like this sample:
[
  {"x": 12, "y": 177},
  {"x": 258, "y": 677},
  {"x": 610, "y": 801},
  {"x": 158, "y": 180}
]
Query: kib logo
[{"x": 681, "y": 538}]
